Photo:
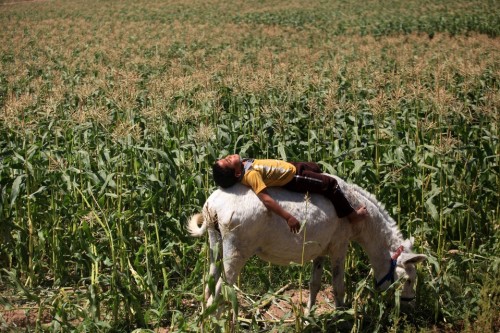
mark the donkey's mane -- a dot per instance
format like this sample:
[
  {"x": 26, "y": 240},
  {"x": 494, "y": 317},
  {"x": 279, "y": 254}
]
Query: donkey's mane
[{"x": 388, "y": 223}]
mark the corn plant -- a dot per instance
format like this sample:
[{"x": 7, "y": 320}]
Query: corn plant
[{"x": 113, "y": 113}]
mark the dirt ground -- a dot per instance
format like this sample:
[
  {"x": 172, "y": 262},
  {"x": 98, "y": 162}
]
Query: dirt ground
[
  {"x": 21, "y": 318},
  {"x": 283, "y": 305},
  {"x": 273, "y": 309}
]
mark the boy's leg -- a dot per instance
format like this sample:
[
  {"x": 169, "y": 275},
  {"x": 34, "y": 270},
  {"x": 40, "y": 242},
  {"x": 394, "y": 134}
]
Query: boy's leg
[
  {"x": 307, "y": 180},
  {"x": 306, "y": 166},
  {"x": 340, "y": 202},
  {"x": 334, "y": 193}
]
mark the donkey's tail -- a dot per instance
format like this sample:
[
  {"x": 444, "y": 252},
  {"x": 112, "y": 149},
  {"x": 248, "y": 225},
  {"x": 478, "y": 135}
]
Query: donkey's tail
[
  {"x": 197, "y": 226},
  {"x": 194, "y": 227}
]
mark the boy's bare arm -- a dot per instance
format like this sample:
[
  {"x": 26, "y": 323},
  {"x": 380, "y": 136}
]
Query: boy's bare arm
[{"x": 275, "y": 207}]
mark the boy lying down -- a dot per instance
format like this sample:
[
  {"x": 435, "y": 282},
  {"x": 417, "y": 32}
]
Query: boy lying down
[{"x": 259, "y": 174}]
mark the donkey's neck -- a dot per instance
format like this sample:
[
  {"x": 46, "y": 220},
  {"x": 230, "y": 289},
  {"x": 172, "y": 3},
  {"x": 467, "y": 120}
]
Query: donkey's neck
[{"x": 379, "y": 236}]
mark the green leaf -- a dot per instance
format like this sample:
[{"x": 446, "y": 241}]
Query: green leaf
[
  {"x": 16, "y": 188},
  {"x": 358, "y": 164},
  {"x": 431, "y": 209},
  {"x": 32, "y": 195},
  {"x": 281, "y": 151}
]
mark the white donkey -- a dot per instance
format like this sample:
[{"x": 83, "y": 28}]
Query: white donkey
[{"x": 237, "y": 219}]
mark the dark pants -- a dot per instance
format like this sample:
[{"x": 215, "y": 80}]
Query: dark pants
[{"x": 309, "y": 178}]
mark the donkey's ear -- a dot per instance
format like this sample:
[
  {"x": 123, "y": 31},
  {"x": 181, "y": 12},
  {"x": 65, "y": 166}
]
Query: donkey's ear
[
  {"x": 412, "y": 258},
  {"x": 408, "y": 243}
]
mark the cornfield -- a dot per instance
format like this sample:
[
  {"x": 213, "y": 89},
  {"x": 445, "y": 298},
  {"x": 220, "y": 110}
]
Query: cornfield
[{"x": 112, "y": 114}]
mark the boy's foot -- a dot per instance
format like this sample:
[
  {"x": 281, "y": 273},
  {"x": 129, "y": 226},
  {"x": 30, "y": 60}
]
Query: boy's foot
[{"x": 358, "y": 214}]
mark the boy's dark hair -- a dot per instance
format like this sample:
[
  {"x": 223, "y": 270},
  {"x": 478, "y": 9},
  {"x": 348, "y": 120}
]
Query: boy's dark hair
[{"x": 224, "y": 177}]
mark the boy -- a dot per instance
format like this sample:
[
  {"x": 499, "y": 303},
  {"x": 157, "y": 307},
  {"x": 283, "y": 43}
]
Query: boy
[{"x": 298, "y": 177}]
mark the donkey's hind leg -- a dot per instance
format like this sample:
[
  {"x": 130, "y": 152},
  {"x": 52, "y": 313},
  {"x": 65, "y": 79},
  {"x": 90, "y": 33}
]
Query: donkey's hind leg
[
  {"x": 234, "y": 259},
  {"x": 315, "y": 282},
  {"x": 215, "y": 254}
]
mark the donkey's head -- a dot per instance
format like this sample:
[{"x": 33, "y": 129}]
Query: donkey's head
[
  {"x": 403, "y": 269},
  {"x": 406, "y": 271}
]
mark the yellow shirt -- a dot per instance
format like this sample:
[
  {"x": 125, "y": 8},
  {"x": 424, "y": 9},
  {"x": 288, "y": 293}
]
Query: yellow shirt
[{"x": 264, "y": 173}]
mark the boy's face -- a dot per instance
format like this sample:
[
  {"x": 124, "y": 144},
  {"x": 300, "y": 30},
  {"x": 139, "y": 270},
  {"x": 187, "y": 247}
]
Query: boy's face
[{"x": 231, "y": 162}]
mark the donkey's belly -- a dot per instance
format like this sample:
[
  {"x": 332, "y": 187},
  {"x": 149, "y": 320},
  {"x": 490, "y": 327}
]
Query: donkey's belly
[{"x": 292, "y": 250}]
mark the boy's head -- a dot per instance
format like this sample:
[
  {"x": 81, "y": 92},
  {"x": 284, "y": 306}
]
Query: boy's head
[{"x": 227, "y": 171}]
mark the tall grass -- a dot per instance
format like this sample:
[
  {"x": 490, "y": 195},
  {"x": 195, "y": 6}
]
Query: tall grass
[{"x": 112, "y": 113}]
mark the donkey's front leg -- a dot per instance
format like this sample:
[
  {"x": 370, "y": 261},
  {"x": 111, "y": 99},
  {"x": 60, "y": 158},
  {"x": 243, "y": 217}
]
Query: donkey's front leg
[
  {"x": 338, "y": 263},
  {"x": 315, "y": 282}
]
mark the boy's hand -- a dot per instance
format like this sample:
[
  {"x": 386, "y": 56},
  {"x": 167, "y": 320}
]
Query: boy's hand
[
  {"x": 272, "y": 205},
  {"x": 294, "y": 224}
]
